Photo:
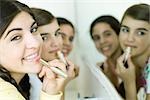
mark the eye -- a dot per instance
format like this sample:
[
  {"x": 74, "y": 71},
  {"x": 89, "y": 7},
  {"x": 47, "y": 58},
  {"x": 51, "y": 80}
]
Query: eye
[
  {"x": 44, "y": 37},
  {"x": 71, "y": 39},
  {"x": 34, "y": 29},
  {"x": 141, "y": 33},
  {"x": 15, "y": 38},
  {"x": 96, "y": 37},
  {"x": 124, "y": 30},
  {"x": 57, "y": 33},
  {"x": 107, "y": 34}
]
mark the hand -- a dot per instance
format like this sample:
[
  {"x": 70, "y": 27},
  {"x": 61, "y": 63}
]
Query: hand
[
  {"x": 126, "y": 74},
  {"x": 72, "y": 71},
  {"x": 52, "y": 83}
]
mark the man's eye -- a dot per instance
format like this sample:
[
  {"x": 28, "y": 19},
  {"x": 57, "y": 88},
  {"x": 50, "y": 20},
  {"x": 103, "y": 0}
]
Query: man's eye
[
  {"x": 15, "y": 38},
  {"x": 34, "y": 29}
]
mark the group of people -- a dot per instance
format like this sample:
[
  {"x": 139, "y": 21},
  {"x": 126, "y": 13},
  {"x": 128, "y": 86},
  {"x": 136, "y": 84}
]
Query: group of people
[
  {"x": 111, "y": 38},
  {"x": 33, "y": 34}
]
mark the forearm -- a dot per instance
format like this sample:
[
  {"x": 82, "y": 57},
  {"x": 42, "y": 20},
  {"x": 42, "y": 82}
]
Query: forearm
[
  {"x": 148, "y": 97},
  {"x": 130, "y": 90}
]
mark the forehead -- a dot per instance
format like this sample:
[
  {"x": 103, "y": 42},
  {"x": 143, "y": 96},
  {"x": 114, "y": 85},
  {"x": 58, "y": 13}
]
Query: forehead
[
  {"x": 102, "y": 25},
  {"x": 101, "y": 28},
  {"x": 51, "y": 27},
  {"x": 134, "y": 23},
  {"x": 22, "y": 20},
  {"x": 67, "y": 29}
]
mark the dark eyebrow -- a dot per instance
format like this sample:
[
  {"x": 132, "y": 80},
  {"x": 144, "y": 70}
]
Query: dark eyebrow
[
  {"x": 107, "y": 31},
  {"x": 17, "y": 29},
  {"x": 43, "y": 33},
  {"x": 57, "y": 30},
  {"x": 142, "y": 29},
  {"x": 124, "y": 26},
  {"x": 33, "y": 24}
]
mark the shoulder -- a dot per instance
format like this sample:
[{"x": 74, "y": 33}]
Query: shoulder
[
  {"x": 9, "y": 91},
  {"x": 4, "y": 84}
]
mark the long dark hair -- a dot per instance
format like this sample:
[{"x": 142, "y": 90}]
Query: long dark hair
[
  {"x": 138, "y": 12},
  {"x": 8, "y": 10}
]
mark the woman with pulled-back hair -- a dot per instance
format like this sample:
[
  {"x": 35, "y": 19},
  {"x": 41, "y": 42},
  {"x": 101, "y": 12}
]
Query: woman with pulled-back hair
[
  {"x": 20, "y": 49},
  {"x": 135, "y": 34}
]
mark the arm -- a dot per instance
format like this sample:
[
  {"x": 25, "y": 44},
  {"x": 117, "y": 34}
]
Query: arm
[
  {"x": 148, "y": 97},
  {"x": 128, "y": 76}
]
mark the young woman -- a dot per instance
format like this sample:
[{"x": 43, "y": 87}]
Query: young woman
[
  {"x": 134, "y": 33},
  {"x": 19, "y": 34},
  {"x": 104, "y": 31},
  {"x": 52, "y": 40},
  {"x": 68, "y": 33}
]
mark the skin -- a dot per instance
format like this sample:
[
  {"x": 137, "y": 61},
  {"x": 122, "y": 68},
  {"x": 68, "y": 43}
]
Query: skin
[
  {"x": 135, "y": 34},
  {"x": 25, "y": 44},
  {"x": 52, "y": 40},
  {"x": 67, "y": 36},
  {"x": 25, "y": 47},
  {"x": 107, "y": 42},
  {"x": 105, "y": 39}
]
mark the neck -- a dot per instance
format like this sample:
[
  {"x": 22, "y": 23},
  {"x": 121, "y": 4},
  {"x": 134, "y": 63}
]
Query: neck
[
  {"x": 17, "y": 76},
  {"x": 116, "y": 54},
  {"x": 140, "y": 63}
]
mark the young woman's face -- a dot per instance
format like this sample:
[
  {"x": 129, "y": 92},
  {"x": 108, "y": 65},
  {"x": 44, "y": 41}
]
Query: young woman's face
[
  {"x": 135, "y": 34},
  {"x": 105, "y": 39},
  {"x": 52, "y": 40},
  {"x": 67, "y": 36},
  {"x": 20, "y": 45}
]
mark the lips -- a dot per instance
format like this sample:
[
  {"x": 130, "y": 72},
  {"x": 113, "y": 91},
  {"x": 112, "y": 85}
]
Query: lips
[
  {"x": 105, "y": 48},
  {"x": 54, "y": 51},
  {"x": 32, "y": 57}
]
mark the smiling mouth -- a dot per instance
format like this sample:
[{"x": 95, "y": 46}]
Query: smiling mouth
[{"x": 32, "y": 57}]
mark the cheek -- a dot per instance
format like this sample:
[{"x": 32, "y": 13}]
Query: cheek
[
  {"x": 97, "y": 44},
  {"x": 45, "y": 47},
  {"x": 60, "y": 41},
  {"x": 121, "y": 39}
]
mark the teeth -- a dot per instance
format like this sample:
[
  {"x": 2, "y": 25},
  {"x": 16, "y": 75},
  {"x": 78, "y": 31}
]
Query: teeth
[
  {"x": 31, "y": 57},
  {"x": 105, "y": 48}
]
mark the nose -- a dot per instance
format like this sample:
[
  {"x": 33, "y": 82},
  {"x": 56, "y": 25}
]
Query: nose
[
  {"x": 54, "y": 42},
  {"x": 31, "y": 41},
  {"x": 102, "y": 40},
  {"x": 130, "y": 37}
]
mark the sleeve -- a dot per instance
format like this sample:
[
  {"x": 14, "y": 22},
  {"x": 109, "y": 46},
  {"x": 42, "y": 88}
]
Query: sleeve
[
  {"x": 45, "y": 96},
  {"x": 9, "y": 92}
]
